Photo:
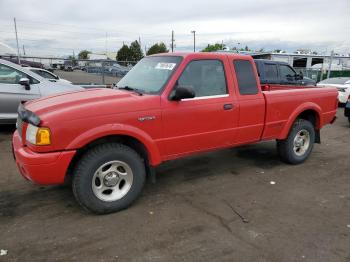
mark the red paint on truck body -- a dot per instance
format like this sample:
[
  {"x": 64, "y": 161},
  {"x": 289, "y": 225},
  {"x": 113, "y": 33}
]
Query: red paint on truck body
[{"x": 178, "y": 129}]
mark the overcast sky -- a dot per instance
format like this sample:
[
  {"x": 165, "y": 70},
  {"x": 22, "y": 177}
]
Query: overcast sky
[{"x": 58, "y": 27}]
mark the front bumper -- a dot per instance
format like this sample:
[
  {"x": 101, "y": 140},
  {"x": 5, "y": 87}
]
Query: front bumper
[{"x": 41, "y": 168}]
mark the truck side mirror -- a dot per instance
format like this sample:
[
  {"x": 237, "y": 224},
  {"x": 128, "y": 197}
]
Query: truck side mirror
[
  {"x": 182, "y": 92},
  {"x": 25, "y": 82}
]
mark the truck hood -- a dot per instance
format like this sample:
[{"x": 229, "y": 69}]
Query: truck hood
[{"x": 90, "y": 103}]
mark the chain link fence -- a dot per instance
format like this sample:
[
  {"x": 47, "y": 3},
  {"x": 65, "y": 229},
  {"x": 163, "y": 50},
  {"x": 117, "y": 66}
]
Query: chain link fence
[
  {"x": 80, "y": 71},
  {"x": 318, "y": 75},
  {"x": 91, "y": 73}
]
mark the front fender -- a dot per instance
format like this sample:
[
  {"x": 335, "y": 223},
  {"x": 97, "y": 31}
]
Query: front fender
[
  {"x": 118, "y": 129},
  {"x": 300, "y": 109}
]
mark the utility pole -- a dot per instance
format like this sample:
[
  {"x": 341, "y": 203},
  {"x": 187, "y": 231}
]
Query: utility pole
[
  {"x": 194, "y": 40},
  {"x": 18, "y": 58},
  {"x": 172, "y": 41},
  {"x": 330, "y": 64},
  {"x": 24, "y": 51},
  {"x": 140, "y": 41}
]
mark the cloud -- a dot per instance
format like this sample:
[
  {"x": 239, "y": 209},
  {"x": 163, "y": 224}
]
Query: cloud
[{"x": 105, "y": 24}]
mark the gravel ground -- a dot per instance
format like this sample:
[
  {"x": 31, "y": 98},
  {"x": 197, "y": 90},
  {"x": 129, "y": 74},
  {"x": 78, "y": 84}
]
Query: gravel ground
[{"x": 219, "y": 206}]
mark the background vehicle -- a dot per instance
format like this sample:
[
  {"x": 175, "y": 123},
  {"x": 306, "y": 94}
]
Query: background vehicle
[
  {"x": 118, "y": 70},
  {"x": 18, "y": 84},
  {"x": 274, "y": 74},
  {"x": 341, "y": 83},
  {"x": 68, "y": 68},
  {"x": 167, "y": 107},
  {"x": 48, "y": 75},
  {"x": 347, "y": 109}
]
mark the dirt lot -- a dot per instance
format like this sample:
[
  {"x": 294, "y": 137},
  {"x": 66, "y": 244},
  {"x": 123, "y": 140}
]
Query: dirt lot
[
  {"x": 191, "y": 214},
  {"x": 81, "y": 77}
]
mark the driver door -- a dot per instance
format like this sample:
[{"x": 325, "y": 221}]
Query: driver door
[
  {"x": 207, "y": 121},
  {"x": 12, "y": 93}
]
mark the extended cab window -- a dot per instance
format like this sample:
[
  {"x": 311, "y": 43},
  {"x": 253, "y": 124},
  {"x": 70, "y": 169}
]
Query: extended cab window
[
  {"x": 245, "y": 77},
  {"x": 287, "y": 73},
  {"x": 206, "y": 77}
]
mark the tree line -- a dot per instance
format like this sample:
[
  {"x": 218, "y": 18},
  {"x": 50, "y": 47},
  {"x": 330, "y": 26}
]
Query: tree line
[{"x": 132, "y": 52}]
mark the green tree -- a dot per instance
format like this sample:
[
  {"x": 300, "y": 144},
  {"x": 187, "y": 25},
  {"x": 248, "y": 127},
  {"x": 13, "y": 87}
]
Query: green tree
[
  {"x": 124, "y": 53},
  {"x": 213, "y": 48},
  {"x": 83, "y": 54},
  {"x": 136, "y": 53},
  {"x": 157, "y": 48}
]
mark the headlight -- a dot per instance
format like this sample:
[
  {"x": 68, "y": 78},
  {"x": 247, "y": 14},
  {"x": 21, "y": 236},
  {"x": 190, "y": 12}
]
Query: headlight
[{"x": 40, "y": 136}]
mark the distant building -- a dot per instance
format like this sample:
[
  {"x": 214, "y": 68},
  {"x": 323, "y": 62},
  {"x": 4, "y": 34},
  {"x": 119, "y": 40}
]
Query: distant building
[
  {"x": 93, "y": 56},
  {"x": 103, "y": 56},
  {"x": 307, "y": 61}
]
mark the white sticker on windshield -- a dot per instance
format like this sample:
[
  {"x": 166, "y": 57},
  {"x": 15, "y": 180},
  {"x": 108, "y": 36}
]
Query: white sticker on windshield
[{"x": 165, "y": 66}]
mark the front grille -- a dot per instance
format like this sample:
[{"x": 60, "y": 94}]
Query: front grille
[{"x": 19, "y": 125}]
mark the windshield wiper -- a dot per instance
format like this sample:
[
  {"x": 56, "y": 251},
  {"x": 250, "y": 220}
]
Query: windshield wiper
[{"x": 128, "y": 88}]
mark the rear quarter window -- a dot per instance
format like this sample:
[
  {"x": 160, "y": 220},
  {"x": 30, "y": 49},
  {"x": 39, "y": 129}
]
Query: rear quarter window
[{"x": 245, "y": 77}]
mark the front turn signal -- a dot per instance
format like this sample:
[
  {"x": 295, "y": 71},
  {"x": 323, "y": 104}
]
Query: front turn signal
[{"x": 43, "y": 136}]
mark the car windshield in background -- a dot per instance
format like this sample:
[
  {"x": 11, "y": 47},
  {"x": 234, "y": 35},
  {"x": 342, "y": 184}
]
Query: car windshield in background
[
  {"x": 336, "y": 81},
  {"x": 150, "y": 74}
]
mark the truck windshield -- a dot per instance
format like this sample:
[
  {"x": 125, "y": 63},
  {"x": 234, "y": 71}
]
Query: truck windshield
[{"x": 150, "y": 75}]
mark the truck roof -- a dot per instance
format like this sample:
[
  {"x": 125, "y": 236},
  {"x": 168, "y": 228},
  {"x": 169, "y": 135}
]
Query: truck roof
[{"x": 202, "y": 54}]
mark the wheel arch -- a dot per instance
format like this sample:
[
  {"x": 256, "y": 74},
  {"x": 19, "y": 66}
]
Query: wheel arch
[
  {"x": 136, "y": 139},
  {"x": 307, "y": 111}
]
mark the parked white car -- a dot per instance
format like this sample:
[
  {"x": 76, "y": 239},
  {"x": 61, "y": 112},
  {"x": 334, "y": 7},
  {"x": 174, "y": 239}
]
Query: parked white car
[
  {"x": 341, "y": 83},
  {"x": 48, "y": 75},
  {"x": 18, "y": 85}
]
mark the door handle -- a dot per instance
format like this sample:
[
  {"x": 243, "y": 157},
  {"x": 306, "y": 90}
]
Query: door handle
[{"x": 228, "y": 106}]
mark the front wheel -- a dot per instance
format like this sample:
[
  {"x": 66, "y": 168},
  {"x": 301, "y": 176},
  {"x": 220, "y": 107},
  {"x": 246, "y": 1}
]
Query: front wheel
[
  {"x": 108, "y": 178},
  {"x": 297, "y": 147}
]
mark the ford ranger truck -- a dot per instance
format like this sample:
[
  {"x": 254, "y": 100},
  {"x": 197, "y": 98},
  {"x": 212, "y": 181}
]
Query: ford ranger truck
[{"x": 168, "y": 106}]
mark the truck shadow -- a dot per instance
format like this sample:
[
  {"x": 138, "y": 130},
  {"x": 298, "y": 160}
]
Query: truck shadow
[{"x": 235, "y": 161}]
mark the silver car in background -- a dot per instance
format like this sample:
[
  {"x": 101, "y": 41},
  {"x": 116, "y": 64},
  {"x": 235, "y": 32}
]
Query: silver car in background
[
  {"x": 48, "y": 75},
  {"x": 18, "y": 85},
  {"x": 341, "y": 83}
]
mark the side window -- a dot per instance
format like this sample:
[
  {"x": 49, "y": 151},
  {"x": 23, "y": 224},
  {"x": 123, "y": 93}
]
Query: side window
[
  {"x": 43, "y": 74},
  {"x": 8, "y": 75},
  {"x": 271, "y": 72},
  {"x": 206, "y": 77},
  {"x": 245, "y": 77},
  {"x": 287, "y": 73}
]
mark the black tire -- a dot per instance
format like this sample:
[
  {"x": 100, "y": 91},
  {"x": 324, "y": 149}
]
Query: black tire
[
  {"x": 90, "y": 163},
  {"x": 285, "y": 147}
]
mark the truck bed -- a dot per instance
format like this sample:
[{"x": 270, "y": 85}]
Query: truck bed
[{"x": 282, "y": 103}]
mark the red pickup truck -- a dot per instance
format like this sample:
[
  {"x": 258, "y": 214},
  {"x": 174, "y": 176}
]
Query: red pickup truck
[{"x": 168, "y": 106}]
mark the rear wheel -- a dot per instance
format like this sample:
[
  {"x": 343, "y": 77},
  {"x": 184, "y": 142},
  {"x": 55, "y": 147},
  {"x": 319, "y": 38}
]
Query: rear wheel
[
  {"x": 108, "y": 178},
  {"x": 297, "y": 147}
]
